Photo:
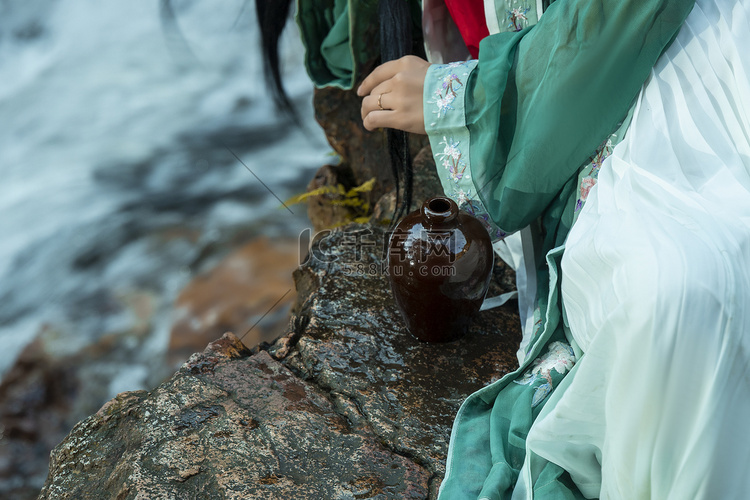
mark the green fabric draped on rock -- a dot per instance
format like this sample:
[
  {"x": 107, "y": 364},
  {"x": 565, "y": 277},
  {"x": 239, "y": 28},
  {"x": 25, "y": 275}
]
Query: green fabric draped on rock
[{"x": 341, "y": 38}]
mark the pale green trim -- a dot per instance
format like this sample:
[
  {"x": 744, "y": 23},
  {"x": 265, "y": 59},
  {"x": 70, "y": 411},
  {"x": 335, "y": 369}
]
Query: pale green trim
[
  {"x": 445, "y": 124},
  {"x": 528, "y": 9}
]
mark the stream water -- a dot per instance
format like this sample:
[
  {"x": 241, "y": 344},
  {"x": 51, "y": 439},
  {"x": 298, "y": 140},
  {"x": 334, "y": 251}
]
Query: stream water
[{"x": 118, "y": 178}]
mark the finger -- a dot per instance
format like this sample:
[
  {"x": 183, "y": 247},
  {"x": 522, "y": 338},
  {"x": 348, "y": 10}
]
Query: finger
[
  {"x": 384, "y": 72},
  {"x": 384, "y": 97},
  {"x": 412, "y": 122},
  {"x": 370, "y": 102},
  {"x": 378, "y": 119}
]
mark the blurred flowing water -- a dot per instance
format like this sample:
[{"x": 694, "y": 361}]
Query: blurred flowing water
[{"x": 116, "y": 176}]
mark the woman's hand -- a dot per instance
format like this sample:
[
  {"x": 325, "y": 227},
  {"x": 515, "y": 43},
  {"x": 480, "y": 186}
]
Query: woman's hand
[{"x": 393, "y": 95}]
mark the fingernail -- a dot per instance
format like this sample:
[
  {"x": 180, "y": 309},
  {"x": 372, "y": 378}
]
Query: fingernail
[{"x": 359, "y": 91}]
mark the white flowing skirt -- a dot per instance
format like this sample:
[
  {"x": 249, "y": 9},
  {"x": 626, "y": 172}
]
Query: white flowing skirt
[{"x": 656, "y": 286}]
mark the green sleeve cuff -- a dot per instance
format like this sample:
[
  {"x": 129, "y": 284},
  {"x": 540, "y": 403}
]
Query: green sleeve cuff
[{"x": 445, "y": 124}]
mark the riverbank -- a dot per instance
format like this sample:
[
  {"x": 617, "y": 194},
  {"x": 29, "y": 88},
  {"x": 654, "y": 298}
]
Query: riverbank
[
  {"x": 122, "y": 158},
  {"x": 347, "y": 404}
]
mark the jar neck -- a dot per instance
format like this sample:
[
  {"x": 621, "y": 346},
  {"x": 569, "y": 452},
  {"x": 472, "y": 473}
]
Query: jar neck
[{"x": 439, "y": 211}]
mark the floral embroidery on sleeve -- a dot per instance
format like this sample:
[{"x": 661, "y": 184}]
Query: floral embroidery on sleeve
[
  {"x": 444, "y": 91},
  {"x": 560, "y": 358},
  {"x": 451, "y": 159},
  {"x": 459, "y": 185},
  {"x": 448, "y": 91},
  {"x": 447, "y": 85},
  {"x": 518, "y": 19}
]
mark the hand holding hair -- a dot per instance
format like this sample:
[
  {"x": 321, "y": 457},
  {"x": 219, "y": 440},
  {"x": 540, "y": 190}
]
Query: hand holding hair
[{"x": 393, "y": 95}]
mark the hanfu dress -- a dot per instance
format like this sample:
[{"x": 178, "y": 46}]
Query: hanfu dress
[{"x": 617, "y": 133}]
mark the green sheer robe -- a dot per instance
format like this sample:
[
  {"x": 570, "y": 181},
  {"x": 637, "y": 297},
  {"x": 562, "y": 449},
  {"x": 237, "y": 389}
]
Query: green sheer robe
[{"x": 518, "y": 136}]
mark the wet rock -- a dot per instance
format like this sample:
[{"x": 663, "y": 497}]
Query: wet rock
[
  {"x": 348, "y": 337},
  {"x": 228, "y": 425},
  {"x": 322, "y": 211},
  {"x": 363, "y": 154},
  {"x": 347, "y": 404},
  {"x": 35, "y": 401},
  {"x": 251, "y": 282},
  {"x": 48, "y": 390}
]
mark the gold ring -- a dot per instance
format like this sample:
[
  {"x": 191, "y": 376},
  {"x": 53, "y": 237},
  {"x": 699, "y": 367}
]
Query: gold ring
[{"x": 379, "y": 104}]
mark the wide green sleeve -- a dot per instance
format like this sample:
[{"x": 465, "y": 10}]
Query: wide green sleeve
[
  {"x": 538, "y": 102},
  {"x": 510, "y": 133}
]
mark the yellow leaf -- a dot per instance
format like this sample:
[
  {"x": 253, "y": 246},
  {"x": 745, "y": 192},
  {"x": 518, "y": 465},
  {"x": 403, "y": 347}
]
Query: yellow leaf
[
  {"x": 365, "y": 187},
  {"x": 315, "y": 192}
]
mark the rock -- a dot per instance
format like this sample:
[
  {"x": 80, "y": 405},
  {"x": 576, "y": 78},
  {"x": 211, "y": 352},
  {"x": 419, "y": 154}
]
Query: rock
[
  {"x": 363, "y": 152},
  {"x": 364, "y": 155},
  {"x": 228, "y": 425},
  {"x": 339, "y": 114},
  {"x": 36, "y": 397},
  {"x": 46, "y": 392},
  {"x": 234, "y": 296},
  {"x": 346, "y": 405},
  {"x": 321, "y": 209},
  {"x": 426, "y": 185},
  {"x": 426, "y": 181},
  {"x": 349, "y": 338}
]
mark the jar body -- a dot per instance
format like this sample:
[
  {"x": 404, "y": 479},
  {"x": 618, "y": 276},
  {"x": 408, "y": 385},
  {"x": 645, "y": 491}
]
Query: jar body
[{"x": 439, "y": 266}]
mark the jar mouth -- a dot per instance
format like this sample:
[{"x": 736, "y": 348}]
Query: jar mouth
[
  {"x": 440, "y": 209},
  {"x": 439, "y": 206}
]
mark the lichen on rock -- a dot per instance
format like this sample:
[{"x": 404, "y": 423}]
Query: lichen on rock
[{"x": 249, "y": 428}]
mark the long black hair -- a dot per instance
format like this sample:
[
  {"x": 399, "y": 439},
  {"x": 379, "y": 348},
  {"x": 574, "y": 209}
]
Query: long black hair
[
  {"x": 396, "y": 40},
  {"x": 272, "y": 19}
]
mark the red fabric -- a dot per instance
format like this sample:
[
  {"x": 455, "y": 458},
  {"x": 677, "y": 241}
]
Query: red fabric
[{"x": 469, "y": 17}]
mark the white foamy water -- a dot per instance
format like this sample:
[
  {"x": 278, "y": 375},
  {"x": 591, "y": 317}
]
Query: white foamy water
[{"x": 115, "y": 178}]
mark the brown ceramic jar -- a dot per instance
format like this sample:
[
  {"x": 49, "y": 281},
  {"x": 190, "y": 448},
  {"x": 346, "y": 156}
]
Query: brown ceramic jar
[{"x": 439, "y": 265}]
